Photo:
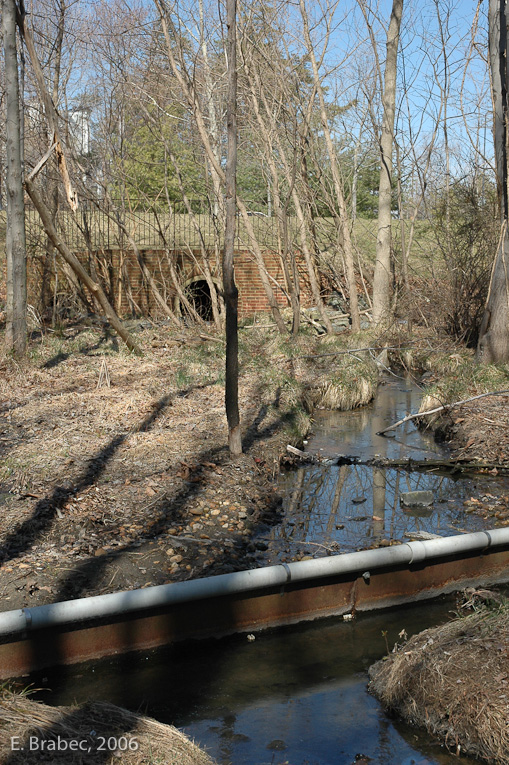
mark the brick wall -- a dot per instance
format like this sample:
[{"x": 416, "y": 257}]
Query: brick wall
[{"x": 126, "y": 289}]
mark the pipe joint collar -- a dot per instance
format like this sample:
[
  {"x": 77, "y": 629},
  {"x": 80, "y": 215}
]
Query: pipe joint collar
[
  {"x": 28, "y": 617},
  {"x": 418, "y": 552}
]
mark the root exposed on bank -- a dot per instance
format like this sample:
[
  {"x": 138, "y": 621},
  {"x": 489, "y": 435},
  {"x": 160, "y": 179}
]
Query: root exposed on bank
[
  {"x": 454, "y": 681},
  {"x": 104, "y": 734}
]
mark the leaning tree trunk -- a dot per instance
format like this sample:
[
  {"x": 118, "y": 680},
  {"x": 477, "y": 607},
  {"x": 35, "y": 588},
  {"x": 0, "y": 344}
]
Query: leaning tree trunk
[
  {"x": 493, "y": 346},
  {"x": 343, "y": 222},
  {"x": 95, "y": 288},
  {"x": 231, "y": 295},
  {"x": 382, "y": 276},
  {"x": 15, "y": 244}
]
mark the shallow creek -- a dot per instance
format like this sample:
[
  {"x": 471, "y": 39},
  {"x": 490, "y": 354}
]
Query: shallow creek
[
  {"x": 293, "y": 696},
  {"x": 298, "y": 695},
  {"x": 340, "y": 508}
]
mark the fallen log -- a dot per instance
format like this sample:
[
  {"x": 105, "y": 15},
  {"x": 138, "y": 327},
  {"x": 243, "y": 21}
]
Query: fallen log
[
  {"x": 440, "y": 409},
  {"x": 450, "y": 465},
  {"x": 428, "y": 464}
]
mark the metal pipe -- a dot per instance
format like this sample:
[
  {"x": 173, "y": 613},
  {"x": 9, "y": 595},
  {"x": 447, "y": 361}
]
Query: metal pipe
[{"x": 365, "y": 562}]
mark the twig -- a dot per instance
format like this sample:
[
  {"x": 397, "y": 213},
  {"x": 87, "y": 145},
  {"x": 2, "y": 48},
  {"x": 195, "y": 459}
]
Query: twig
[
  {"x": 104, "y": 375},
  {"x": 214, "y": 339},
  {"x": 354, "y": 350},
  {"x": 258, "y": 326},
  {"x": 185, "y": 540},
  {"x": 440, "y": 409}
]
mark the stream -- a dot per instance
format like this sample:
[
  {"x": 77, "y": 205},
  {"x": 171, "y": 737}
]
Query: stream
[
  {"x": 298, "y": 695},
  {"x": 341, "y": 508}
]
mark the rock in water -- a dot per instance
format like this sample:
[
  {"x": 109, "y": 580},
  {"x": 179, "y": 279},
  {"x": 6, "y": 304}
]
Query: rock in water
[{"x": 416, "y": 498}]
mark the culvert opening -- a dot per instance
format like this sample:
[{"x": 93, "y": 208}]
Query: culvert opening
[{"x": 198, "y": 293}]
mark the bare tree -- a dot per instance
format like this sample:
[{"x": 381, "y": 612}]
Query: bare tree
[
  {"x": 381, "y": 280},
  {"x": 231, "y": 295},
  {"x": 342, "y": 210},
  {"x": 15, "y": 234},
  {"x": 44, "y": 213},
  {"x": 493, "y": 346},
  {"x": 189, "y": 91}
]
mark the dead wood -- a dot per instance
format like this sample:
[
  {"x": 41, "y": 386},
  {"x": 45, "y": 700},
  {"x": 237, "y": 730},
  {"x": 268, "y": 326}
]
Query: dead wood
[
  {"x": 50, "y": 112},
  {"x": 303, "y": 455},
  {"x": 451, "y": 465},
  {"x": 78, "y": 269},
  {"x": 446, "y": 464},
  {"x": 442, "y": 408}
]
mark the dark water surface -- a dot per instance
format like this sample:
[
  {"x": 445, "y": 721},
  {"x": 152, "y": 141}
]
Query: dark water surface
[
  {"x": 296, "y": 695},
  {"x": 351, "y": 507}
]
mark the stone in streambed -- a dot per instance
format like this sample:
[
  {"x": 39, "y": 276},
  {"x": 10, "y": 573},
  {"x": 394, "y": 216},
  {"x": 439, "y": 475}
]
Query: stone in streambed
[{"x": 416, "y": 498}]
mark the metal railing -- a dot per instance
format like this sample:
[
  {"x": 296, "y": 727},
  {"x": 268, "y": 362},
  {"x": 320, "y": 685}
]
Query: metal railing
[{"x": 113, "y": 227}]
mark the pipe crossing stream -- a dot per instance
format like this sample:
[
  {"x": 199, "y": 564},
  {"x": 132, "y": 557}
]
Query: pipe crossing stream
[
  {"x": 328, "y": 510},
  {"x": 294, "y": 695}
]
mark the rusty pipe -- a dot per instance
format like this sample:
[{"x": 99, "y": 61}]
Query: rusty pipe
[{"x": 364, "y": 562}]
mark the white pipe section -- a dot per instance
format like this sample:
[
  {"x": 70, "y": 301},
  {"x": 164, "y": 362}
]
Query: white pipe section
[{"x": 366, "y": 561}]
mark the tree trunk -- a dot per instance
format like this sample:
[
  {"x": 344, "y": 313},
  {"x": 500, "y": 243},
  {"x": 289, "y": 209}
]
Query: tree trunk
[
  {"x": 15, "y": 245},
  {"x": 78, "y": 269},
  {"x": 344, "y": 224},
  {"x": 189, "y": 91},
  {"x": 382, "y": 277},
  {"x": 231, "y": 295},
  {"x": 493, "y": 346}
]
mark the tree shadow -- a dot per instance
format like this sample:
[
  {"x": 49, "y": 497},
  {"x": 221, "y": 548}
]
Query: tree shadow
[
  {"x": 26, "y": 534},
  {"x": 61, "y": 356},
  {"x": 86, "y": 574}
]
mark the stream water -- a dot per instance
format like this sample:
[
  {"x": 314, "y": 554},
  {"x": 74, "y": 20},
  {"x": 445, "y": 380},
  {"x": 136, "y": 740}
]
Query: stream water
[
  {"x": 293, "y": 696},
  {"x": 298, "y": 696},
  {"x": 352, "y": 507}
]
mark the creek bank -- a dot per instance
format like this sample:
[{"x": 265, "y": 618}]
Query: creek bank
[
  {"x": 453, "y": 680},
  {"x": 123, "y": 480},
  {"x": 33, "y": 732},
  {"x": 477, "y": 431}
]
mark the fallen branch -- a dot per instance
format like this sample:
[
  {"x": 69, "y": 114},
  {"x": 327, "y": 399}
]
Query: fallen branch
[
  {"x": 303, "y": 455},
  {"x": 431, "y": 464},
  {"x": 452, "y": 465},
  {"x": 353, "y": 350},
  {"x": 440, "y": 409}
]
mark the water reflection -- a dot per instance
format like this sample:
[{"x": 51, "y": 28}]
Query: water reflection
[
  {"x": 296, "y": 695},
  {"x": 350, "y": 507}
]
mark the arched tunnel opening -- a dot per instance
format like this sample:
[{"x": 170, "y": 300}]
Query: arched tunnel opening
[{"x": 198, "y": 294}]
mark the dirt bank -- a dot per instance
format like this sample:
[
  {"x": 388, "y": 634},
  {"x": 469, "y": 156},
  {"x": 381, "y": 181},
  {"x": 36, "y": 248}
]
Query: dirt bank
[
  {"x": 477, "y": 431},
  {"x": 114, "y": 470},
  {"x": 453, "y": 680}
]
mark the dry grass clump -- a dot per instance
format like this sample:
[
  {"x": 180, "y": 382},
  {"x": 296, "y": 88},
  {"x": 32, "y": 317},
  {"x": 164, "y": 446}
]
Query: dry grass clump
[
  {"x": 349, "y": 384},
  {"x": 454, "y": 681},
  {"x": 158, "y": 744},
  {"x": 459, "y": 378},
  {"x": 336, "y": 394},
  {"x": 463, "y": 378}
]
